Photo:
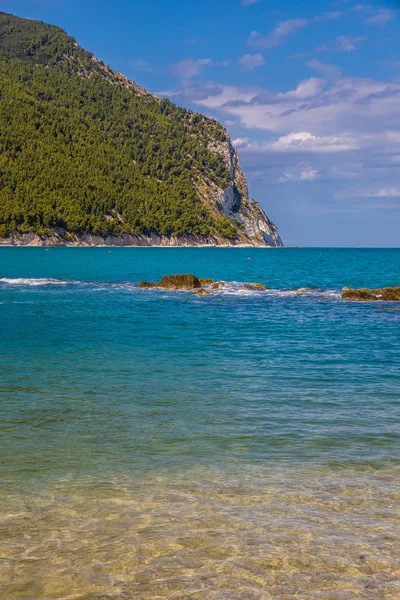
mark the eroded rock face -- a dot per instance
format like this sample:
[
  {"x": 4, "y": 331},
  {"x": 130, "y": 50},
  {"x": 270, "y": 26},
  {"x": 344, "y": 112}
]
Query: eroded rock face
[
  {"x": 175, "y": 282},
  {"x": 236, "y": 204},
  {"x": 368, "y": 295}
]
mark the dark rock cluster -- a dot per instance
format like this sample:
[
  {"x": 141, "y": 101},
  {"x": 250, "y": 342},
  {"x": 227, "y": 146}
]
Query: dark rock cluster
[
  {"x": 367, "y": 295},
  {"x": 175, "y": 282},
  {"x": 191, "y": 282}
]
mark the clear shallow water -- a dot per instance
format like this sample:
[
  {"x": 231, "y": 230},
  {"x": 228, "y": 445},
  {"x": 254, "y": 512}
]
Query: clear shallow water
[{"x": 162, "y": 445}]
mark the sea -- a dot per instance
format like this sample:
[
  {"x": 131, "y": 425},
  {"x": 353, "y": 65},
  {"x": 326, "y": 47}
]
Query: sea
[{"x": 157, "y": 444}]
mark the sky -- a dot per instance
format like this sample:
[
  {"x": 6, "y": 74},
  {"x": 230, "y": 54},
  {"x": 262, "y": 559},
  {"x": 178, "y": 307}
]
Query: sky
[{"x": 309, "y": 92}]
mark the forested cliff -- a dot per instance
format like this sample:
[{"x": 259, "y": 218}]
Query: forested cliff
[{"x": 89, "y": 157}]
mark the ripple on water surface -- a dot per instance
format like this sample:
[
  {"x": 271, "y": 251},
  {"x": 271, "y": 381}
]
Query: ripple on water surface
[{"x": 251, "y": 534}]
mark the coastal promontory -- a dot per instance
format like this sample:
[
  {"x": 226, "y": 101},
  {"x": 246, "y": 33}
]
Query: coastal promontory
[{"x": 88, "y": 157}]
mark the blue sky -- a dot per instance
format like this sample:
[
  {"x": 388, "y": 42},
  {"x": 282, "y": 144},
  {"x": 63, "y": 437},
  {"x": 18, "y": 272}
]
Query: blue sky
[{"x": 309, "y": 92}]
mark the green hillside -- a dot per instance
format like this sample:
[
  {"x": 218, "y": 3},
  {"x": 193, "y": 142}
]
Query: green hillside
[{"x": 84, "y": 149}]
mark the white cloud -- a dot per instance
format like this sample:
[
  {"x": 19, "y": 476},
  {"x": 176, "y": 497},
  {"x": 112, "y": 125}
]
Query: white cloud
[
  {"x": 308, "y": 88},
  {"x": 330, "y": 16},
  {"x": 305, "y": 141},
  {"x": 385, "y": 193},
  {"x": 302, "y": 172},
  {"x": 189, "y": 68},
  {"x": 382, "y": 17},
  {"x": 328, "y": 71},
  {"x": 248, "y": 62},
  {"x": 240, "y": 142},
  {"x": 359, "y": 105},
  {"x": 247, "y": 2},
  {"x": 277, "y": 35},
  {"x": 376, "y": 192},
  {"x": 343, "y": 43},
  {"x": 142, "y": 65},
  {"x": 221, "y": 95},
  {"x": 344, "y": 171},
  {"x": 309, "y": 174},
  {"x": 358, "y": 7},
  {"x": 286, "y": 178},
  {"x": 297, "y": 56},
  {"x": 333, "y": 15}
]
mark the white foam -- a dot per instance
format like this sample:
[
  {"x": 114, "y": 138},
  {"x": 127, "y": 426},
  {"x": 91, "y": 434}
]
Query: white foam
[
  {"x": 235, "y": 289},
  {"x": 33, "y": 281}
]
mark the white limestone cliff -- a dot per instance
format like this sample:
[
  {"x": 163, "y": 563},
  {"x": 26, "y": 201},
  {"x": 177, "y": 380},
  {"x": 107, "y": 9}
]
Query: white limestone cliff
[{"x": 235, "y": 203}]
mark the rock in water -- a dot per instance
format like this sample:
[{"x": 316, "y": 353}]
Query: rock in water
[
  {"x": 203, "y": 293},
  {"x": 360, "y": 295},
  {"x": 254, "y": 286},
  {"x": 390, "y": 293},
  {"x": 175, "y": 282},
  {"x": 180, "y": 282},
  {"x": 365, "y": 294},
  {"x": 205, "y": 281},
  {"x": 148, "y": 284}
]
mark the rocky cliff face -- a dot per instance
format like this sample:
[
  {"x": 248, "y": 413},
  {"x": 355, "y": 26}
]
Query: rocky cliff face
[{"x": 235, "y": 203}]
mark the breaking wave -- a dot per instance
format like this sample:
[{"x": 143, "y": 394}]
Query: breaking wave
[
  {"x": 236, "y": 288},
  {"x": 33, "y": 281}
]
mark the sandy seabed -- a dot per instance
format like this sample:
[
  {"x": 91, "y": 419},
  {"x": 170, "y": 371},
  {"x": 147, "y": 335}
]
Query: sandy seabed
[{"x": 331, "y": 534}]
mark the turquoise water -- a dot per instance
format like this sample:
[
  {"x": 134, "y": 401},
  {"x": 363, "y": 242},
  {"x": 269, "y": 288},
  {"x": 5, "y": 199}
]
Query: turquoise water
[{"x": 159, "y": 444}]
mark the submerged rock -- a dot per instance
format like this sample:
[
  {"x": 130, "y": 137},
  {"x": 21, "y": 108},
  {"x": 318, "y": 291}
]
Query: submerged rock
[
  {"x": 217, "y": 284},
  {"x": 147, "y": 284},
  {"x": 203, "y": 293},
  {"x": 254, "y": 286},
  {"x": 175, "y": 282},
  {"x": 365, "y": 294},
  {"x": 205, "y": 281}
]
